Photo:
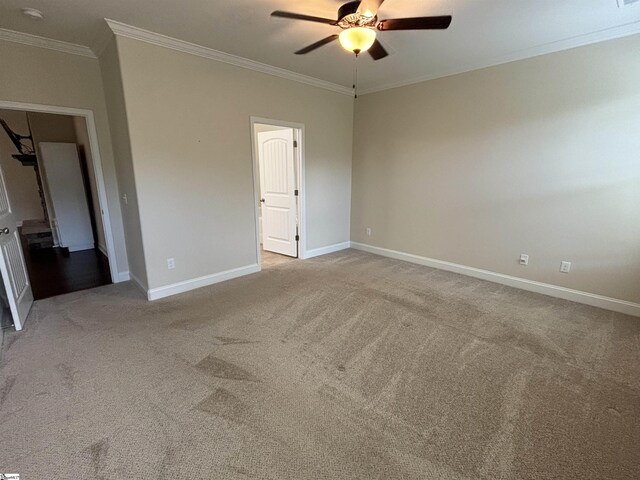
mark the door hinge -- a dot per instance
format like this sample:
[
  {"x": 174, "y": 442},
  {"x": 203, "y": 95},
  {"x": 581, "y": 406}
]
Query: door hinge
[
  {"x": 295, "y": 192},
  {"x": 297, "y": 238},
  {"x": 295, "y": 144}
]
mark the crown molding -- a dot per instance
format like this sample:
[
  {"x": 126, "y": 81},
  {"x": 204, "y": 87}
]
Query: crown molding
[
  {"x": 124, "y": 30},
  {"x": 136, "y": 33},
  {"x": 43, "y": 42},
  {"x": 552, "y": 47}
]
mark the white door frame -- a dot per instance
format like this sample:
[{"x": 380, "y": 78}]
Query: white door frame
[
  {"x": 298, "y": 135},
  {"x": 97, "y": 167}
]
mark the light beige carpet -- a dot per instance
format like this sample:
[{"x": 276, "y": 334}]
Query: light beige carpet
[{"x": 348, "y": 366}]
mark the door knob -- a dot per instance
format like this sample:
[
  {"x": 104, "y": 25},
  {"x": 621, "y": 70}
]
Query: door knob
[
  {"x": 262, "y": 200},
  {"x": 5, "y": 230}
]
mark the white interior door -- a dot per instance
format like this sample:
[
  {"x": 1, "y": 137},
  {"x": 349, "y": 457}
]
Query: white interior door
[
  {"x": 63, "y": 176},
  {"x": 12, "y": 265},
  {"x": 277, "y": 189}
]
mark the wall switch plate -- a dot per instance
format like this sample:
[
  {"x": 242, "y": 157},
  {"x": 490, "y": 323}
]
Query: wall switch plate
[
  {"x": 171, "y": 263},
  {"x": 565, "y": 267},
  {"x": 125, "y": 199},
  {"x": 368, "y": 230},
  {"x": 524, "y": 259}
]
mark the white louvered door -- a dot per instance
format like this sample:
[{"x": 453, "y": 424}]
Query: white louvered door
[
  {"x": 277, "y": 190},
  {"x": 12, "y": 265}
]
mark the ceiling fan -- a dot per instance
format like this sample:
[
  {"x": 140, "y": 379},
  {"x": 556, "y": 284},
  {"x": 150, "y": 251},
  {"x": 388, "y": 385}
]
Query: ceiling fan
[{"x": 359, "y": 23}]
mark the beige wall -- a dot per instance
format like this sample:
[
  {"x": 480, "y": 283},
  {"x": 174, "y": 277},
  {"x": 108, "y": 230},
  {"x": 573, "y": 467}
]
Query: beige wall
[
  {"x": 112, "y": 79},
  {"x": 189, "y": 126},
  {"x": 22, "y": 186},
  {"x": 539, "y": 156},
  {"x": 54, "y": 78},
  {"x": 49, "y": 127}
]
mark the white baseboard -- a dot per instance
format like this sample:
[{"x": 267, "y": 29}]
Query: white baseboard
[
  {"x": 181, "y": 287},
  {"x": 81, "y": 247},
  {"x": 122, "y": 277},
  {"x": 138, "y": 284},
  {"x": 608, "y": 303},
  {"x": 316, "y": 252}
]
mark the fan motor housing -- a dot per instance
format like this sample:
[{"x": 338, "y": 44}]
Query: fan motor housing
[
  {"x": 348, "y": 17},
  {"x": 347, "y": 9}
]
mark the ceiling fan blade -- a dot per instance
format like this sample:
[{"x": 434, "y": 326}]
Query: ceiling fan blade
[
  {"x": 416, "y": 23},
  {"x": 307, "y": 18},
  {"x": 369, "y": 7},
  {"x": 377, "y": 51},
  {"x": 318, "y": 44}
]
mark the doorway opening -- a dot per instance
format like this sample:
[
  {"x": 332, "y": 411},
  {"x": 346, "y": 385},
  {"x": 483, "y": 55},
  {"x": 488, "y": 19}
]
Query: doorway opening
[
  {"x": 56, "y": 235},
  {"x": 278, "y": 165}
]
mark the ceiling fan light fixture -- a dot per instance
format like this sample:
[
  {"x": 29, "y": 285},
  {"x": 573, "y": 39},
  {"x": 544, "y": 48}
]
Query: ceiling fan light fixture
[{"x": 357, "y": 39}]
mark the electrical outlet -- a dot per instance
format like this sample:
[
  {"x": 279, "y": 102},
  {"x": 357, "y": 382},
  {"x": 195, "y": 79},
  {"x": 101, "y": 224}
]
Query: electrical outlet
[
  {"x": 125, "y": 199},
  {"x": 565, "y": 267},
  {"x": 524, "y": 259},
  {"x": 171, "y": 264},
  {"x": 368, "y": 231}
]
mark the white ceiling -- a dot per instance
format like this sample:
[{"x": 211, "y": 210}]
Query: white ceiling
[{"x": 483, "y": 32}]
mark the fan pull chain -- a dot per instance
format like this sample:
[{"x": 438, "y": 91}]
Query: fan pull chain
[{"x": 355, "y": 76}]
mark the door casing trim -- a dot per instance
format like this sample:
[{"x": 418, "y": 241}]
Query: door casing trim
[
  {"x": 97, "y": 168},
  {"x": 299, "y": 153}
]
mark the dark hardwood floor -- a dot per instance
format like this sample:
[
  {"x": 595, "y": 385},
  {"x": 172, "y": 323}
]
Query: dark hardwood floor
[{"x": 53, "y": 272}]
